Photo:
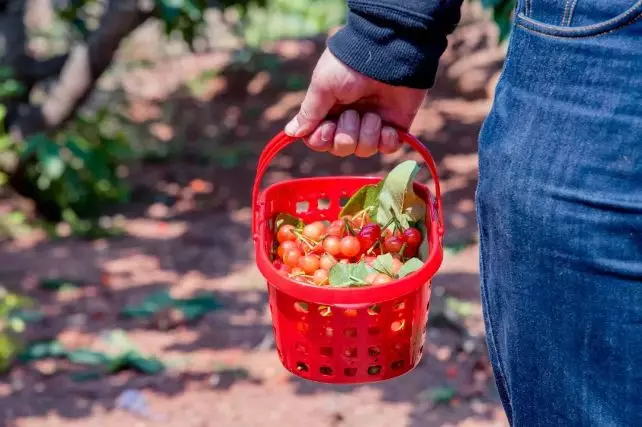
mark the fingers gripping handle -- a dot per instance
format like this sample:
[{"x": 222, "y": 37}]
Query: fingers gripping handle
[{"x": 282, "y": 140}]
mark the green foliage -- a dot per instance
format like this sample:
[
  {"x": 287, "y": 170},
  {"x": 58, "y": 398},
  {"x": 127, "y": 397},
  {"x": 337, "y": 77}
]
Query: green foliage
[
  {"x": 125, "y": 357},
  {"x": 278, "y": 19},
  {"x": 186, "y": 17},
  {"x": 80, "y": 168},
  {"x": 13, "y": 318},
  {"x": 502, "y": 11}
]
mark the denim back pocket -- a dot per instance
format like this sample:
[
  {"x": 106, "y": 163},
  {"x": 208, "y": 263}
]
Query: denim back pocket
[{"x": 577, "y": 18}]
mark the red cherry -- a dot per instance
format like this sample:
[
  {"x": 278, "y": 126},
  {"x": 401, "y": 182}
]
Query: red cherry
[
  {"x": 412, "y": 236},
  {"x": 393, "y": 244}
]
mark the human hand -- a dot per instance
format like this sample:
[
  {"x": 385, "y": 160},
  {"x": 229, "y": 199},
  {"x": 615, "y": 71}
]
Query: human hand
[{"x": 363, "y": 103}]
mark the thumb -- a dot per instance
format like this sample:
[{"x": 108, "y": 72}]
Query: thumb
[{"x": 314, "y": 108}]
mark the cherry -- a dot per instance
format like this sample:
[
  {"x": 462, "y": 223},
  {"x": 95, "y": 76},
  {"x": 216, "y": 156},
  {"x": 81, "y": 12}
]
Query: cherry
[
  {"x": 332, "y": 245},
  {"x": 327, "y": 261},
  {"x": 410, "y": 251},
  {"x": 396, "y": 265},
  {"x": 286, "y": 246},
  {"x": 381, "y": 279},
  {"x": 412, "y": 236},
  {"x": 370, "y": 278},
  {"x": 368, "y": 235},
  {"x": 320, "y": 277},
  {"x": 291, "y": 257},
  {"x": 392, "y": 244},
  {"x": 350, "y": 246},
  {"x": 369, "y": 260},
  {"x": 286, "y": 232},
  {"x": 309, "y": 263},
  {"x": 314, "y": 231}
]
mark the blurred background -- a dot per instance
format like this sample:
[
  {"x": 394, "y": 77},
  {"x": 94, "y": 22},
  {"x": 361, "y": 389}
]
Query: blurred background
[{"x": 128, "y": 147}]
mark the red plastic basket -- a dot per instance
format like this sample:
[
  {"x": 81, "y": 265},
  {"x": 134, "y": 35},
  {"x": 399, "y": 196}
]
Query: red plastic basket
[{"x": 343, "y": 335}]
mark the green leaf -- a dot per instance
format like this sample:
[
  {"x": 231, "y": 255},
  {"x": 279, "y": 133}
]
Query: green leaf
[
  {"x": 442, "y": 394},
  {"x": 142, "y": 364},
  {"x": 86, "y": 375},
  {"x": 398, "y": 199},
  {"x": 42, "y": 350},
  {"x": 413, "y": 264},
  {"x": 137, "y": 362},
  {"x": 285, "y": 218},
  {"x": 366, "y": 197},
  {"x": 149, "y": 306},
  {"x": 88, "y": 357},
  {"x": 9, "y": 349},
  {"x": 33, "y": 144},
  {"x": 196, "y": 307},
  {"x": 339, "y": 275},
  {"x": 49, "y": 155},
  {"x": 346, "y": 275},
  {"x": 384, "y": 264}
]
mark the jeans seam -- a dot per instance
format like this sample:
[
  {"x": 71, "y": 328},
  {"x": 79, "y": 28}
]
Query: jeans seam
[
  {"x": 570, "y": 13},
  {"x": 535, "y": 30},
  {"x": 567, "y": 4}
]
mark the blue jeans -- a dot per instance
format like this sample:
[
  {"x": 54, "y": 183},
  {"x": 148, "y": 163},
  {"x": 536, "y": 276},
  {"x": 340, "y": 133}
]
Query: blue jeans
[{"x": 559, "y": 205}]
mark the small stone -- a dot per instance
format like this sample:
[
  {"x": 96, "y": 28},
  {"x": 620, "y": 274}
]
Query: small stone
[{"x": 45, "y": 367}]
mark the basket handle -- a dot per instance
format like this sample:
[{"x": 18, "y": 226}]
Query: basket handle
[{"x": 282, "y": 140}]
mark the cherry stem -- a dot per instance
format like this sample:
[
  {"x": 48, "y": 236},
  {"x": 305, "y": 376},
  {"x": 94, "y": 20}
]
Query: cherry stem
[
  {"x": 349, "y": 229},
  {"x": 311, "y": 244},
  {"x": 403, "y": 250},
  {"x": 381, "y": 237}
]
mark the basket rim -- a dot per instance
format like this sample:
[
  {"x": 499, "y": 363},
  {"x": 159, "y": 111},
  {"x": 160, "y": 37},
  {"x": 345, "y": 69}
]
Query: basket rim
[{"x": 346, "y": 296}]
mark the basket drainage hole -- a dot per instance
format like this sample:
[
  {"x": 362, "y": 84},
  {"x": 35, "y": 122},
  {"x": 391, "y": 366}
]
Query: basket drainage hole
[
  {"x": 326, "y": 351},
  {"x": 350, "y": 332},
  {"x": 302, "y": 207},
  {"x": 303, "y": 327},
  {"x": 350, "y": 372},
  {"x": 374, "y": 310},
  {"x": 397, "y": 365},
  {"x": 343, "y": 200},
  {"x": 302, "y": 367},
  {"x": 373, "y": 330},
  {"x": 399, "y": 306},
  {"x": 323, "y": 204},
  {"x": 374, "y": 370},
  {"x": 397, "y": 325},
  {"x": 301, "y": 307},
  {"x": 374, "y": 351},
  {"x": 350, "y": 352},
  {"x": 325, "y": 311},
  {"x": 325, "y": 370}
]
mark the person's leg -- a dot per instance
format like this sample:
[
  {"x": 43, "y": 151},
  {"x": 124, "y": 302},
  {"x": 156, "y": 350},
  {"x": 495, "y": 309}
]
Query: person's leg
[{"x": 559, "y": 206}]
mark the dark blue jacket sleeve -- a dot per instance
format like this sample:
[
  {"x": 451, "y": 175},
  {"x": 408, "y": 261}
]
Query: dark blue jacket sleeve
[{"x": 398, "y": 42}]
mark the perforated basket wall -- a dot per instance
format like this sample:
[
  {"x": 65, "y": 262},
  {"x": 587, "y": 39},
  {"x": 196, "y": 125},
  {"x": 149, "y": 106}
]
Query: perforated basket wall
[{"x": 337, "y": 335}]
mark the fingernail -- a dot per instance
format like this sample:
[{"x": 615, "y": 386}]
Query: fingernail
[
  {"x": 327, "y": 132},
  {"x": 350, "y": 120},
  {"x": 292, "y": 127},
  {"x": 370, "y": 124},
  {"x": 389, "y": 140}
]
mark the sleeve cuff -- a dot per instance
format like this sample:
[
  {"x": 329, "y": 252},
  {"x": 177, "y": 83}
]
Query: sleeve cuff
[{"x": 390, "y": 51}]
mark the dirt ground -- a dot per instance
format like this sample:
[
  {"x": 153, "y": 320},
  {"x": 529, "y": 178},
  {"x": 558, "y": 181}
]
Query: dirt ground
[{"x": 194, "y": 235}]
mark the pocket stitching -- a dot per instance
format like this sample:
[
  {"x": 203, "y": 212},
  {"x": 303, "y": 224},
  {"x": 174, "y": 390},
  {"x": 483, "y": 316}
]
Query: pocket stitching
[
  {"x": 570, "y": 13},
  {"x": 574, "y": 36},
  {"x": 625, "y": 18}
]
